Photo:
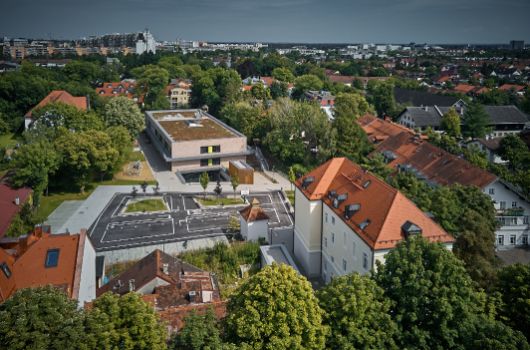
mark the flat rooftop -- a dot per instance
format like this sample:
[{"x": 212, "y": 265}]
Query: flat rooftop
[
  {"x": 195, "y": 129},
  {"x": 277, "y": 253}
]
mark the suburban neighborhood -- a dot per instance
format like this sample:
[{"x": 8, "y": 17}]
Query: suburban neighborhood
[{"x": 186, "y": 194}]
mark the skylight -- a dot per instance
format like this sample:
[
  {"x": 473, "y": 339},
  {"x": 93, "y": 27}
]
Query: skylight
[
  {"x": 5, "y": 269},
  {"x": 364, "y": 224},
  {"x": 52, "y": 258}
]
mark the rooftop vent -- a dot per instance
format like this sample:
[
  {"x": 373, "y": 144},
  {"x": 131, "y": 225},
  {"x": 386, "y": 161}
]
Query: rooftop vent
[
  {"x": 332, "y": 194},
  {"x": 307, "y": 181},
  {"x": 350, "y": 210},
  {"x": 410, "y": 229},
  {"x": 366, "y": 184},
  {"x": 364, "y": 224}
]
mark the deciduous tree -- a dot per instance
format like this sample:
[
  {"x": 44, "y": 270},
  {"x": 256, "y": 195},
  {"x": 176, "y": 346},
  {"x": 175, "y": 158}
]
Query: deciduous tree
[
  {"x": 200, "y": 332},
  {"x": 120, "y": 111},
  {"x": 451, "y": 123}
]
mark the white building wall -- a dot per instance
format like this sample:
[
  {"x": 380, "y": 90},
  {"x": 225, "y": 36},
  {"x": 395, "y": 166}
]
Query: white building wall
[
  {"x": 308, "y": 234},
  {"x": 515, "y": 228},
  {"x": 255, "y": 230},
  {"x": 87, "y": 283}
]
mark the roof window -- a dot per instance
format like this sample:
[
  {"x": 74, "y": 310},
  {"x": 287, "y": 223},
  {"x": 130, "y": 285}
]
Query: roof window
[
  {"x": 52, "y": 258},
  {"x": 5, "y": 269},
  {"x": 364, "y": 224}
]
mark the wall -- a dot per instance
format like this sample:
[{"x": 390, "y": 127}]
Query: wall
[
  {"x": 307, "y": 233},
  {"x": 257, "y": 229},
  {"x": 87, "y": 284}
]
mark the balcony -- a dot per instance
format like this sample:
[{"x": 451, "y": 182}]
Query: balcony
[
  {"x": 510, "y": 212},
  {"x": 512, "y": 220}
]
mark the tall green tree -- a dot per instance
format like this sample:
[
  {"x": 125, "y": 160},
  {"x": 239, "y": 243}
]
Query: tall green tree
[
  {"x": 514, "y": 286},
  {"x": 275, "y": 309},
  {"x": 200, "y": 332},
  {"x": 204, "y": 179},
  {"x": 152, "y": 81},
  {"x": 283, "y": 74},
  {"x": 357, "y": 314},
  {"x": 381, "y": 96},
  {"x": 451, "y": 123},
  {"x": 246, "y": 118},
  {"x": 124, "y": 322},
  {"x": 306, "y": 83},
  {"x": 41, "y": 318},
  {"x": 120, "y": 111},
  {"x": 475, "y": 121}
]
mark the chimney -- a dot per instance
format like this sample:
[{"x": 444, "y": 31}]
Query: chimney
[
  {"x": 17, "y": 200},
  {"x": 165, "y": 268}
]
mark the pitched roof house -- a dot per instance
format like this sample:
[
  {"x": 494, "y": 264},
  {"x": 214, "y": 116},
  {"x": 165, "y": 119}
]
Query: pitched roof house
[
  {"x": 62, "y": 260},
  {"x": 173, "y": 287},
  {"x": 11, "y": 202},
  {"x": 346, "y": 219},
  {"x": 58, "y": 96}
]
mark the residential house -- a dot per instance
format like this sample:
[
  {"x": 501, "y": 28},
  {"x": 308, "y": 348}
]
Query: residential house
[
  {"x": 194, "y": 140},
  {"x": 404, "y": 151},
  {"x": 490, "y": 147},
  {"x": 179, "y": 93},
  {"x": 125, "y": 88},
  {"x": 504, "y": 120},
  {"x": 66, "y": 261},
  {"x": 11, "y": 202},
  {"x": 518, "y": 89},
  {"x": 324, "y": 98},
  {"x": 347, "y": 219},
  {"x": 254, "y": 222},
  {"x": 173, "y": 287},
  {"x": 54, "y": 97}
]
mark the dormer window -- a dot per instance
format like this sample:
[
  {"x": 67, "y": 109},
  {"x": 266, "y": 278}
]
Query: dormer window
[
  {"x": 364, "y": 224},
  {"x": 5, "y": 269},
  {"x": 52, "y": 258}
]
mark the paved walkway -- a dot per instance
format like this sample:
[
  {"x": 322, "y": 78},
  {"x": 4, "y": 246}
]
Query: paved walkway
[{"x": 168, "y": 181}]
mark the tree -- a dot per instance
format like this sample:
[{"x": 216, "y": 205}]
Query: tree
[
  {"x": 124, "y": 322},
  {"x": 278, "y": 89},
  {"x": 357, "y": 313},
  {"x": 248, "y": 119},
  {"x": 152, "y": 80},
  {"x": 218, "y": 189},
  {"x": 275, "y": 309},
  {"x": 513, "y": 149},
  {"x": 431, "y": 294},
  {"x": 54, "y": 115},
  {"x": 488, "y": 334},
  {"x": 234, "y": 181},
  {"x": 260, "y": 92},
  {"x": 381, "y": 96},
  {"x": 283, "y": 74},
  {"x": 215, "y": 88},
  {"x": 475, "y": 121},
  {"x": 203, "y": 180},
  {"x": 41, "y": 318},
  {"x": 292, "y": 176},
  {"x": 352, "y": 141},
  {"x": 305, "y": 83},
  {"x": 120, "y": 111},
  {"x": 451, "y": 123},
  {"x": 200, "y": 332},
  {"x": 514, "y": 286},
  {"x": 121, "y": 141}
]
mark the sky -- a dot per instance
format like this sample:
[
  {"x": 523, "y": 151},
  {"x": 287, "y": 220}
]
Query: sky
[{"x": 310, "y": 21}]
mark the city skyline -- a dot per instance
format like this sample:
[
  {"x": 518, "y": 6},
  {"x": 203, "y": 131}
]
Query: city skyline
[{"x": 301, "y": 21}]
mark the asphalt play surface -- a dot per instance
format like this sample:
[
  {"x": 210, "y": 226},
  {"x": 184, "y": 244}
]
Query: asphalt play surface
[{"x": 182, "y": 220}]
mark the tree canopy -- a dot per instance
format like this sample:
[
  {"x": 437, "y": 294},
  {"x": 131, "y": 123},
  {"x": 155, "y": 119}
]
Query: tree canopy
[{"x": 121, "y": 111}]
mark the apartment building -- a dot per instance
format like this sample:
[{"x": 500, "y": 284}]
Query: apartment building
[
  {"x": 347, "y": 219},
  {"x": 194, "y": 140},
  {"x": 179, "y": 93}
]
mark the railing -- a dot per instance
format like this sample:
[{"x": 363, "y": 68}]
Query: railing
[
  {"x": 510, "y": 212},
  {"x": 512, "y": 220}
]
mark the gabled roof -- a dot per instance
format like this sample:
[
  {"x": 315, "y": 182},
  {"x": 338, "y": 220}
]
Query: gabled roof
[
  {"x": 378, "y": 129},
  {"x": 63, "y": 97},
  {"x": 253, "y": 213},
  {"x": 26, "y": 258},
  {"x": 148, "y": 269},
  {"x": 422, "y": 98},
  {"x": 464, "y": 88},
  {"x": 432, "y": 163},
  {"x": 506, "y": 115},
  {"x": 509, "y": 87},
  {"x": 383, "y": 207},
  {"x": 8, "y": 206}
]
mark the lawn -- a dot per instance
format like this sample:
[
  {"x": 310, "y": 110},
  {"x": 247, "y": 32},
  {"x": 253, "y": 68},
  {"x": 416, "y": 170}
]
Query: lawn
[
  {"x": 49, "y": 203},
  {"x": 210, "y": 201},
  {"x": 146, "y": 205},
  {"x": 8, "y": 140},
  {"x": 225, "y": 260}
]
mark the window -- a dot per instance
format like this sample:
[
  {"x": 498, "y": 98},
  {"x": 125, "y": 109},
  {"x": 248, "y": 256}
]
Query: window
[
  {"x": 525, "y": 220},
  {"x": 365, "y": 261},
  {"x": 512, "y": 239},
  {"x": 325, "y": 265},
  {"x": 332, "y": 238},
  {"x": 204, "y": 149},
  {"x": 216, "y": 149},
  {"x": 343, "y": 264},
  {"x": 500, "y": 240},
  {"x": 514, "y": 204},
  {"x": 5, "y": 269},
  {"x": 326, "y": 217},
  {"x": 524, "y": 239},
  {"x": 503, "y": 205},
  {"x": 325, "y": 242},
  {"x": 492, "y": 191},
  {"x": 216, "y": 161},
  {"x": 332, "y": 259},
  {"x": 513, "y": 221},
  {"x": 204, "y": 162},
  {"x": 52, "y": 258},
  {"x": 333, "y": 220}
]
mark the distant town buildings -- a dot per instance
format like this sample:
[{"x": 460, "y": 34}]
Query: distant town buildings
[{"x": 517, "y": 44}]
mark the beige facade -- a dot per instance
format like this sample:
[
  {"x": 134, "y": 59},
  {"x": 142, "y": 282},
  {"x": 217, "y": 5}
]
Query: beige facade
[
  {"x": 179, "y": 96},
  {"x": 191, "y": 139}
]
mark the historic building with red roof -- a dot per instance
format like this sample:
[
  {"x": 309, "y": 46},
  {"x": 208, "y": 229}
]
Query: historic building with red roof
[
  {"x": 57, "y": 96},
  {"x": 346, "y": 219},
  {"x": 11, "y": 202}
]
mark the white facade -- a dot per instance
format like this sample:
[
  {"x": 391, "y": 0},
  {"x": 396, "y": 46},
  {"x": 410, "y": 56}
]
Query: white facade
[
  {"x": 512, "y": 213},
  {"x": 87, "y": 282},
  {"x": 147, "y": 44},
  {"x": 254, "y": 230}
]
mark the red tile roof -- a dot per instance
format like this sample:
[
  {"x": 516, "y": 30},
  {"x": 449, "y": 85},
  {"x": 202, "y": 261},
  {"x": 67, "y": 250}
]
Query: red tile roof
[
  {"x": 120, "y": 88},
  {"x": 379, "y": 130},
  {"x": 63, "y": 97},
  {"x": 385, "y": 207},
  {"x": 253, "y": 213},
  {"x": 433, "y": 163},
  {"x": 464, "y": 88},
  {"x": 26, "y": 258},
  {"x": 509, "y": 87},
  {"x": 8, "y": 207}
]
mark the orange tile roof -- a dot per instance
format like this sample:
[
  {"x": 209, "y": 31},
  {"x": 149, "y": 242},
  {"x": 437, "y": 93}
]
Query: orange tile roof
[
  {"x": 433, "y": 163},
  {"x": 63, "y": 97},
  {"x": 464, "y": 88},
  {"x": 26, "y": 260},
  {"x": 378, "y": 129},
  {"x": 119, "y": 88},
  {"x": 253, "y": 213},
  {"x": 509, "y": 87},
  {"x": 385, "y": 207},
  {"x": 8, "y": 208}
]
